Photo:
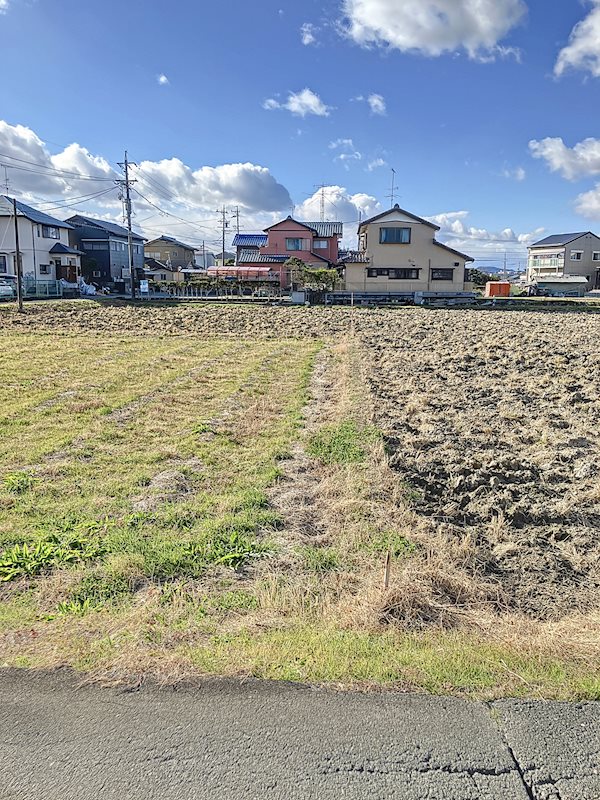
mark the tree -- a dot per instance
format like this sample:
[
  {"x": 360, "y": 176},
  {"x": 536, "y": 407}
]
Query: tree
[
  {"x": 320, "y": 279},
  {"x": 480, "y": 278}
]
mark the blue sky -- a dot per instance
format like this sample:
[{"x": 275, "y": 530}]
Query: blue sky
[{"x": 262, "y": 102}]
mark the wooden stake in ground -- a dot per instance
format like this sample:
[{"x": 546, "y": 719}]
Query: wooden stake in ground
[
  {"x": 18, "y": 265},
  {"x": 386, "y": 572}
]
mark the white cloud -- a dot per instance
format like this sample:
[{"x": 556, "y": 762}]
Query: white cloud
[
  {"x": 583, "y": 50},
  {"x": 456, "y": 232},
  {"x": 339, "y": 206},
  {"x": 307, "y": 33},
  {"x": 347, "y": 152},
  {"x": 517, "y": 174},
  {"x": 571, "y": 162},
  {"x": 375, "y": 164},
  {"x": 302, "y": 104},
  {"x": 36, "y": 176},
  {"x": 588, "y": 203},
  {"x": 162, "y": 80},
  {"x": 435, "y": 27},
  {"x": 3, "y": 6},
  {"x": 377, "y": 104}
]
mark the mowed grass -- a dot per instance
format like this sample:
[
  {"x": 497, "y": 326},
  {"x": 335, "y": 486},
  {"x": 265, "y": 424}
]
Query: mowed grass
[{"x": 136, "y": 463}]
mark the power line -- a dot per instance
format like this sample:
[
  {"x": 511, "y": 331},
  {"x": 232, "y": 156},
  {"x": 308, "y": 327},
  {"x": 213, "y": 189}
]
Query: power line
[{"x": 50, "y": 170}]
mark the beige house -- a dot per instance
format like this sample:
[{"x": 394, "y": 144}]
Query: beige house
[
  {"x": 563, "y": 255},
  {"x": 398, "y": 253},
  {"x": 157, "y": 271},
  {"x": 171, "y": 252}
]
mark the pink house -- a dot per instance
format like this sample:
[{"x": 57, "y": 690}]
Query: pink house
[{"x": 315, "y": 243}]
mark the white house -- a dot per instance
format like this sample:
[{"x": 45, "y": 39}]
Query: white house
[{"x": 43, "y": 244}]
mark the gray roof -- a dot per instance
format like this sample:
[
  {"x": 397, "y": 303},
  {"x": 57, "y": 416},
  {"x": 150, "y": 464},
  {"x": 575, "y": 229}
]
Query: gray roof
[
  {"x": 397, "y": 209},
  {"x": 559, "y": 239},
  {"x": 354, "y": 257},
  {"x": 250, "y": 240},
  {"x": 79, "y": 220},
  {"x": 452, "y": 250},
  {"x": 60, "y": 248},
  {"x": 252, "y": 257},
  {"x": 6, "y": 209},
  {"x": 170, "y": 240},
  {"x": 326, "y": 229},
  {"x": 323, "y": 229}
]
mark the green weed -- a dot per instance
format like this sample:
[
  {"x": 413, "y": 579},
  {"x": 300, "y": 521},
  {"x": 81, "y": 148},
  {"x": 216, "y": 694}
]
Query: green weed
[
  {"x": 344, "y": 443},
  {"x": 19, "y": 482},
  {"x": 384, "y": 541},
  {"x": 320, "y": 559}
]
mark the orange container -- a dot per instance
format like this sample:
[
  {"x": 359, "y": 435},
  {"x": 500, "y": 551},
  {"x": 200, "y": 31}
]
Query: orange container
[{"x": 497, "y": 289}]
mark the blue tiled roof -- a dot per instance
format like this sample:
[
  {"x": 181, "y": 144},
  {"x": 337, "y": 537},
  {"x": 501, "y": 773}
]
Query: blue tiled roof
[
  {"x": 250, "y": 240},
  {"x": 252, "y": 257},
  {"x": 559, "y": 239},
  {"x": 6, "y": 207},
  {"x": 110, "y": 227},
  {"x": 59, "y": 248}
]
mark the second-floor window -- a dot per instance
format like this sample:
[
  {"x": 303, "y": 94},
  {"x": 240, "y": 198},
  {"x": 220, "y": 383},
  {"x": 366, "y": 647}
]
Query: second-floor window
[
  {"x": 394, "y": 235},
  {"x": 596, "y": 255},
  {"x": 320, "y": 244},
  {"x": 3, "y": 264},
  {"x": 576, "y": 255},
  {"x": 294, "y": 244},
  {"x": 49, "y": 232}
]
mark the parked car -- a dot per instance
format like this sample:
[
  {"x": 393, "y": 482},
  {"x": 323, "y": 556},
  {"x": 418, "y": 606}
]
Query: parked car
[{"x": 7, "y": 290}]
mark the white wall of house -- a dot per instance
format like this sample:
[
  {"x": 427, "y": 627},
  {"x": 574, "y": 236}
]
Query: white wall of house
[
  {"x": 421, "y": 261},
  {"x": 35, "y": 245}
]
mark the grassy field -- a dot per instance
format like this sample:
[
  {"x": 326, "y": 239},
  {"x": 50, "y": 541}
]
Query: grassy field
[{"x": 181, "y": 498}]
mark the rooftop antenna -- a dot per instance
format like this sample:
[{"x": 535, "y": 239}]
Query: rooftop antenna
[
  {"x": 321, "y": 186},
  {"x": 392, "y": 195},
  {"x": 6, "y": 181}
]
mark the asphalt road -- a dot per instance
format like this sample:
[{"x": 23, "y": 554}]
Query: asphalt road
[{"x": 225, "y": 739}]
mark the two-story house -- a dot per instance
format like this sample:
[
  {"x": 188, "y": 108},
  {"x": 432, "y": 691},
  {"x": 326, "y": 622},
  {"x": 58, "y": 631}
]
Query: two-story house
[
  {"x": 563, "y": 255},
  {"x": 314, "y": 243},
  {"x": 398, "y": 252},
  {"x": 43, "y": 244},
  {"x": 106, "y": 254},
  {"x": 171, "y": 252}
]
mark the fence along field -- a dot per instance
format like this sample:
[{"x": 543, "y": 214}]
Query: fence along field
[{"x": 206, "y": 490}]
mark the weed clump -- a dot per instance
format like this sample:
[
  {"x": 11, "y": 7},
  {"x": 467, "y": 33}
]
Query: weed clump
[{"x": 344, "y": 443}]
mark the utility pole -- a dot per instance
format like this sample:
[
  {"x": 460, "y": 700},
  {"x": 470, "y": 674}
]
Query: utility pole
[
  {"x": 203, "y": 255},
  {"x": 237, "y": 217},
  {"x": 6, "y": 181},
  {"x": 505, "y": 270},
  {"x": 127, "y": 204},
  {"x": 18, "y": 265},
  {"x": 359, "y": 221},
  {"x": 224, "y": 224}
]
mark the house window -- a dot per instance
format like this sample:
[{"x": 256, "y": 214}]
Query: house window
[
  {"x": 294, "y": 244},
  {"x": 596, "y": 255},
  {"x": 408, "y": 274},
  {"x": 394, "y": 235},
  {"x": 44, "y": 269},
  {"x": 377, "y": 273},
  {"x": 174, "y": 253},
  {"x": 576, "y": 255},
  {"x": 320, "y": 244},
  {"x": 162, "y": 277},
  {"x": 442, "y": 274},
  {"x": 96, "y": 273},
  {"x": 49, "y": 232},
  {"x": 3, "y": 264},
  {"x": 96, "y": 245}
]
